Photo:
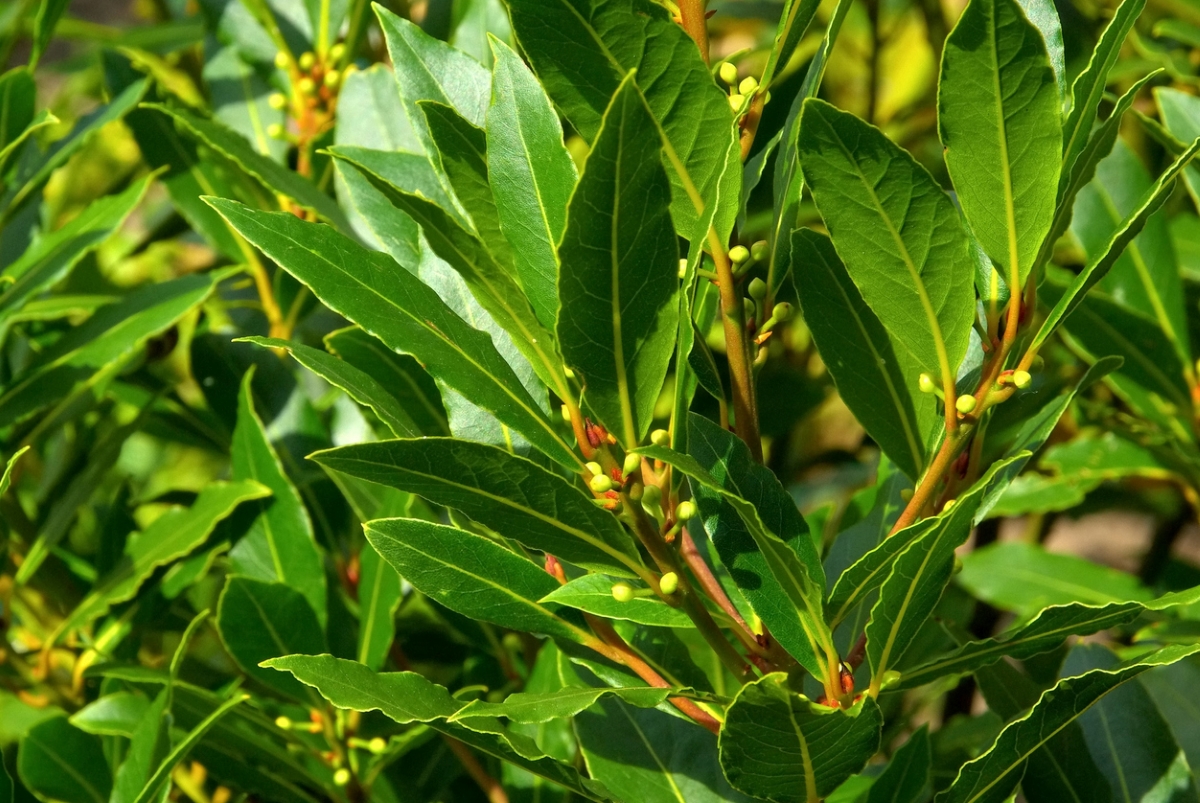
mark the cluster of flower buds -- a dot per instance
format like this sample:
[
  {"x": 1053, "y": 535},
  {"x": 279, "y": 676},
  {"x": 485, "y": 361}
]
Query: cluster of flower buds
[
  {"x": 315, "y": 83},
  {"x": 740, "y": 92},
  {"x": 668, "y": 584}
]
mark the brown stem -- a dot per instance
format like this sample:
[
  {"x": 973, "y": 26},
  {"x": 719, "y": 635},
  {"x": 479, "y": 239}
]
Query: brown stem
[
  {"x": 490, "y": 786},
  {"x": 741, "y": 373},
  {"x": 695, "y": 21},
  {"x": 750, "y": 123},
  {"x": 707, "y": 580}
]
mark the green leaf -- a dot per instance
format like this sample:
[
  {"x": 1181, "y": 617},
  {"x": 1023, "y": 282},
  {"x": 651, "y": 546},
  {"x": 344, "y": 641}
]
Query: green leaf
[
  {"x": 999, "y": 118},
  {"x": 259, "y": 620},
  {"x": 606, "y": 40},
  {"x": 782, "y": 579},
  {"x": 274, "y": 177},
  {"x": 279, "y": 545},
  {"x": 905, "y": 779},
  {"x": 994, "y": 775},
  {"x": 769, "y": 726},
  {"x": 508, "y": 494},
  {"x": 918, "y": 278},
  {"x": 875, "y": 375},
  {"x": 918, "y": 577},
  {"x": 387, "y": 301},
  {"x": 592, "y": 593},
  {"x": 148, "y": 746},
  {"x": 1176, "y": 692},
  {"x": 471, "y": 575},
  {"x": 181, "y": 750},
  {"x": 239, "y": 100},
  {"x": 532, "y": 177},
  {"x": 616, "y": 325},
  {"x": 408, "y": 697},
  {"x": 357, "y": 384},
  {"x": 115, "y": 714},
  {"x": 6, "y": 477},
  {"x": 1097, "y": 267},
  {"x": 379, "y": 595},
  {"x": 1180, "y": 114},
  {"x": 793, "y": 22},
  {"x": 1088, "y": 89},
  {"x": 1024, "y": 578},
  {"x": 171, "y": 536},
  {"x": 1043, "y": 15},
  {"x": 61, "y": 762},
  {"x": 18, "y": 99},
  {"x": 44, "y": 119},
  {"x": 567, "y": 702},
  {"x": 6, "y": 785}
]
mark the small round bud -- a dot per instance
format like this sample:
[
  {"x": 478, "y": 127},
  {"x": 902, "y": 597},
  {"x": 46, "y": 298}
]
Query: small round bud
[
  {"x": 660, "y": 437},
  {"x": 748, "y": 308},
  {"x": 946, "y": 508},
  {"x": 332, "y": 78},
  {"x": 377, "y": 745},
  {"x": 276, "y": 131},
  {"x": 748, "y": 85},
  {"x": 684, "y": 511},
  {"x": 307, "y": 86},
  {"x": 622, "y": 592},
  {"x": 958, "y": 565},
  {"x": 336, "y": 52},
  {"x": 341, "y": 777},
  {"x": 925, "y": 382},
  {"x": 568, "y": 372},
  {"x": 735, "y": 102},
  {"x": 566, "y": 413},
  {"x": 1021, "y": 379},
  {"x": 277, "y": 100},
  {"x": 757, "y": 289},
  {"x": 760, "y": 249},
  {"x": 783, "y": 311},
  {"x": 283, "y": 723},
  {"x": 669, "y": 583},
  {"x": 600, "y": 484},
  {"x": 594, "y": 468},
  {"x": 682, "y": 268},
  {"x": 965, "y": 404},
  {"x": 906, "y": 494},
  {"x": 728, "y": 73},
  {"x": 651, "y": 496},
  {"x": 632, "y": 463},
  {"x": 282, "y": 60},
  {"x": 1039, "y": 362},
  {"x": 307, "y": 61},
  {"x": 739, "y": 254},
  {"x": 890, "y": 678},
  {"x": 511, "y": 642}
]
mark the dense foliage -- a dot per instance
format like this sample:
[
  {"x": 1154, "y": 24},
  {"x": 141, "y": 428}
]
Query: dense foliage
[{"x": 600, "y": 400}]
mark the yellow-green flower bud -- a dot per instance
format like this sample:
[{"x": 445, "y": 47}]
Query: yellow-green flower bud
[
  {"x": 925, "y": 382},
  {"x": 950, "y": 503},
  {"x": 283, "y": 723},
  {"x": 757, "y": 289},
  {"x": 276, "y": 131},
  {"x": 783, "y": 312},
  {"x": 684, "y": 511},
  {"x": 760, "y": 249},
  {"x": 660, "y": 437},
  {"x": 332, "y": 78},
  {"x": 739, "y": 254},
  {"x": 735, "y": 102},
  {"x": 890, "y": 678},
  {"x": 1021, "y": 379},
  {"x": 341, "y": 777},
  {"x": 600, "y": 484},
  {"x": 281, "y": 60},
  {"x": 622, "y": 592},
  {"x": 307, "y": 86},
  {"x": 1039, "y": 362},
  {"x": 682, "y": 268},
  {"x": 965, "y": 404},
  {"x": 307, "y": 61},
  {"x": 729, "y": 73},
  {"x": 336, "y": 52},
  {"x": 748, "y": 85},
  {"x": 594, "y": 468},
  {"x": 277, "y": 100},
  {"x": 906, "y": 494},
  {"x": 748, "y": 308},
  {"x": 669, "y": 583},
  {"x": 632, "y": 463},
  {"x": 377, "y": 745},
  {"x": 566, "y": 413}
]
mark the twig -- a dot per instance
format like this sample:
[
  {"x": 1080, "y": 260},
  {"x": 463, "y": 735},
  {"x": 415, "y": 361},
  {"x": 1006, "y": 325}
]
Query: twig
[{"x": 490, "y": 786}]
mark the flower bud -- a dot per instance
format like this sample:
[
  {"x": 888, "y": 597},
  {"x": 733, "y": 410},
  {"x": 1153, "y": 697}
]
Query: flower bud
[
  {"x": 669, "y": 583},
  {"x": 748, "y": 85},
  {"x": 890, "y": 678},
  {"x": 1039, "y": 362},
  {"x": 682, "y": 268},
  {"x": 307, "y": 86},
  {"x": 341, "y": 777},
  {"x": 336, "y": 52},
  {"x": 283, "y": 723},
  {"x": 622, "y": 592},
  {"x": 684, "y": 511},
  {"x": 632, "y": 463},
  {"x": 748, "y": 308},
  {"x": 594, "y": 468},
  {"x": 739, "y": 254},
  {"x": 925, "y": 382},
  {"x": 600, "y": 484},
  {"x": 276, "y": 131},
  {"x": 728, "y": 73},
  {"x": 566, "y": 413},
  {"x": 906, "y": 494},
  {"x": 965, "y": 404},
  {"x": 1021, "y": 379},
  {"x": 377, "y": 745},
  {"x": 760, "y": 249},
  {"x": 277, "y": 100},
  {"x": 735, "y": 102},
  {"x": 946, "y": 508},
  {"x": 652, "y": 496},
  {"x": 660, "y": 437},
  {"x": 332, "y": 78},
  {"x": 783, "y": 312},
  {"x": 281, "y": 60},
  {"x": 757, "y": 289},
  {"x": 307, "y": 61}
]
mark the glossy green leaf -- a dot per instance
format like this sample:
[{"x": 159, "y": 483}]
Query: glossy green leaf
[
  {"x": 994, "y": 775},
  {"x": 471, "y": 575},
  {"x": 536, "y": 708},
  {"x": 769, "y": 726},
  {"x": 180, "y": 751},
  {"x": 408, "y": 697},
  {"x": 115, "y": 714},
  {"x": 10, "y": 464},
  {"x": 239, "y": 100},
  {"x": 616, "y": 325},
  {"x": 61, "y": 762},
  {"x": 18, "y": 99},
  {"x": 279, "y": 546},
  {"x": 918, "y": 277},
  {"x": 379, "y": 595},
  {"x": 793, "y": 22},
  {"x": 508, "y": 494},
  {"x": 44, "y": 119},
  {"x": 148, "y": 746},
  {"x": 1043, "y": 15},
  {"x": 259, "y": 620},
  {"x": 532, "y": 177},
  {"x": 905, "y": 779},
  {"x": 606, "y": 40},
  {"x": 1181, "y": 115},
  {"x": 874, "y": 373},
  {"x": 370, "y": 289},
  {"x": 274, "y": 177},
  {"x": 592, "y": 594},
  {"x": 999, "y": 118},
  {"x": 171, "y": 536},
  {"x": 1177, "y": 694}
]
